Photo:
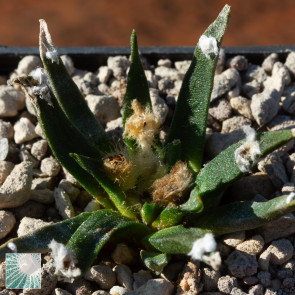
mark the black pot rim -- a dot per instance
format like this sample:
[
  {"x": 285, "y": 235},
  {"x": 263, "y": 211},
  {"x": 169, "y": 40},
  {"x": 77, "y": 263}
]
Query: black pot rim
[{"x": 91, "y": 58}]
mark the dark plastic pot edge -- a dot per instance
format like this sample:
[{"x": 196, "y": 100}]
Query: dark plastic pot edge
[{"x": 91, "y": 58}]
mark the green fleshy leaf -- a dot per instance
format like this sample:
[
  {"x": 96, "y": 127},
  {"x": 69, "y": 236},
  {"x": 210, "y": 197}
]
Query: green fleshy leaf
[
  {"x": 244, "y": 215},
  {"x": 223, "y": 170},
  {"x": 69, "y": 97},
  {"x": 38, "y": 240},
  {"x": 173, "y": 152},
  {"x": 137, "y": 88},
  {"x": 63, "y": 138},
  {"x": 154, "y": 261},
  {"x": 122, "y": 203},
  {"x": 149, "y": 212},
  {"x": 174, "y": 240},
  {"x": 97, "y": 230},
  {"x": 190, "y": 115}
]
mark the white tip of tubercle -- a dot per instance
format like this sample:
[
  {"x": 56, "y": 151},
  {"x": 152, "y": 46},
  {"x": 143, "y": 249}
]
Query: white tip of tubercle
[
  {"x": 290, "y": 198},
  {"x": 47, "y": 47},
  {"x": 293, "y": 132}
]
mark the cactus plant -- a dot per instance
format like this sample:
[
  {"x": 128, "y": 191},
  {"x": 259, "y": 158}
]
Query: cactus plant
[{"x": 155, "y": 193}]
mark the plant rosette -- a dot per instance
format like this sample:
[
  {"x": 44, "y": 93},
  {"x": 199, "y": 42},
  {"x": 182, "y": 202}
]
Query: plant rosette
[{"x": 155, "y": 193}]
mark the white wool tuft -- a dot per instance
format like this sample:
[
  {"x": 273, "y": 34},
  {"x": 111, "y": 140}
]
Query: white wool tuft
[
  {"x": 43, "y": 88},
  {"x": 249, "y": 150},
  {"x": 203, "y": 245},
  {"x": 208, "y": 45},
  {"x": 290, "y": 198},
  {"x": 52, "y": 55},
  {"x": 64, "y": 260},
  {"x": 12, "y": 247}
]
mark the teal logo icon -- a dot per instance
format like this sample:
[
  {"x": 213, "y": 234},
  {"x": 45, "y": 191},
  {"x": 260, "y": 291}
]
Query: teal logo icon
[{"x": 23, "y": 271}]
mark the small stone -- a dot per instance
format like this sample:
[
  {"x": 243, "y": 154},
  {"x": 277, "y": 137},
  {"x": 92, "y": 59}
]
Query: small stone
[
  {"x": 2, "y": 274},
  {"x": 27, "y": 64},
  {"x": 44, "y": 196},
  {"x": 220, "y": 61},
  {"x": 118, "y": 62},
  {"x": 220, "y": 110},
  {"x": 164, "y": 63},
  {"x": 28, "y": 224},
  {"x": 280, "y": 70},
  {"x": 63, "y": 203},
  {"x": 288, "y": 283},
  {"x": 284, "y": 273},
  {"x": 255, "y": 72},
  {"x": 264, "y": 278},
  {"x": 256, "y": 290},
  {"x": 102, "y": 89},
  {"x": 290, "y": 265},
  {"x": 290, "y": 63},
  {"x": 167, "y": 73},
  {"x": 234, "y": 123},
  {"x": 275, "y": 284},
  {"x": 59, "y": 291},
  {"x": 6, "y": 130},
  {"x": 226, "y": 284},
  {"x": 265, "y": 106},
  {"x": 11, "y": 101},
  {"x": 72, "y": 191},
  {"x": 50, "y": 166},
  {"x": 104, "y": 74},
  {"x": 237, "y": 291},
  {"x": 39, "y": 131},
  {"x": 140, "y": 278},
  {"x": 275, "y": 82},
  {"x": 288, "y": 100},
  {"x": 5, "y": 168},
  {"x": 124, "y": 276},
  {"x": 182, "y": 66},
  {"x": 269, "y": 61},
  {"x": 251, "y": 88},
  {"x": 14, "y": 190},
  {"x": 123, "y": 254},
  {"x": 24, "y": 155},
  {"x": 172, "y": 270},
  {"x": 152, "y": 79},
  {"x": 39, "y": 149},
  {"x": 160, "y": 108},
  {"x": 86, "y": 82},
  {"x": 190, "y": 279},
  {"x": 100, "y": 292},
  {"x": 155, "y": 286},
  {"x": 79, "y": 287},
  {"x": 270, "y": 291},
  {"x": 92, "y": 206},
  {"x": 253, "y": 246},
  {"x": 68, "y": 63},
  {"x": 279, "y": 228},
  {"x": 4, "y": 148},
  {"x": 224, "y": 82},
  {"x": 105, "y": 108},
  {"x": 24, "y": 130},
  {"x": 210, "y": 279},
  {"x": 7, "y": 222},
  {"x": 103, "y": 275},
  {"x": 239, "y": 62},
  {"x": 234, "y": 239},
  {"x": 242, "y": 105},
  {"x": 30, "y": 209},
  {"x": 281, "y": 122},
  {"x": 241, "y": 264},
  {"x": 263, "y": 260},
  {"x": 281, "y": 251}
]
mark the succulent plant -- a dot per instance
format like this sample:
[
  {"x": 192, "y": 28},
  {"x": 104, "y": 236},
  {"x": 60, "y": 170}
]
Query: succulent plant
[{"x": 156, "y": 194}]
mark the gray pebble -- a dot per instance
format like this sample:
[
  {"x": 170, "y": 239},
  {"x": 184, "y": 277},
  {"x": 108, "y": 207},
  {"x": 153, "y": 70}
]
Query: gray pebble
[
  {"x": 263, "y": 260},
  {"x": 24, "y": 130},
  {"x": 105, "y": 108},
  {"x": 4, "y": 148},
  {"x": 68, "y": 63},
  {"x": 256, "y": 290},
  {"x": 79, "y": 287},
  {"x": 154, "y": 286},
  {"x": 140, "y": 278},
  {"x": 253, "y": 246},
  {"x": 160, "y": 108},
  {"x": 288, "y": 283},
  {"x": 210, "y": 279},
  {"x": 226, "y": 284},
  {"x": 11, "y": 101},
  {"x": 27, "y": 64},
  {"x": 50, "y": 166},
  {"x": 164, "y": 63},
  {"x": 281, "y": 251},
  {"x": 265, "y": 106},
  {"x": 255, "y": 72},
  {"x": 30, "y": 209},
  {"x": 59, "y": 291},
  {"x": 7, "y": 222},
  {"x": 6, "y": 130},
  {"x": 269, "y": 61},
  {"x": 182, "y": 66},
  {"x": 239, "y": 62},
  {"x": 288, "y": 100},
  {"x": 251, "y": 88},
  {"x": 123, "y": 254},
  {"x": 220, "y": 110},
  {"x": 264, "y": 278},
  {"x": 103, "y": 275},
  {"x": 39, "y": 149},
  {"x": 241, "y": 264},
  {"x": 167, "y": 73},
  {"x": 118, "y": 62},
  {"x": 124, "y": 276},
  {"x": 290, "y": 63},
  {"x": 104, "y": 74},
  {"x": 242, "y": 105},
  {"x": 234, "y": 123},
  {"x": 28, "y": 224}
]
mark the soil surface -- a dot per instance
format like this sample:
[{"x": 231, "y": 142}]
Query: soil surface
[{"x": 164, "y": 22}]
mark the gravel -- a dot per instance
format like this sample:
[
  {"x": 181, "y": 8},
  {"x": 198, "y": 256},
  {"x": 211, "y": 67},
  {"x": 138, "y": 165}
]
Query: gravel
[{"x": 38, "y": 191}]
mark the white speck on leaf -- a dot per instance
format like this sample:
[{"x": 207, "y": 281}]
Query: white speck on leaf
[
  {"x": 248, "y": 152},
  {"x": 12, "y": 247},
  {"x": 208, "y": 45},
  {"x": 203, "y": 245}
]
